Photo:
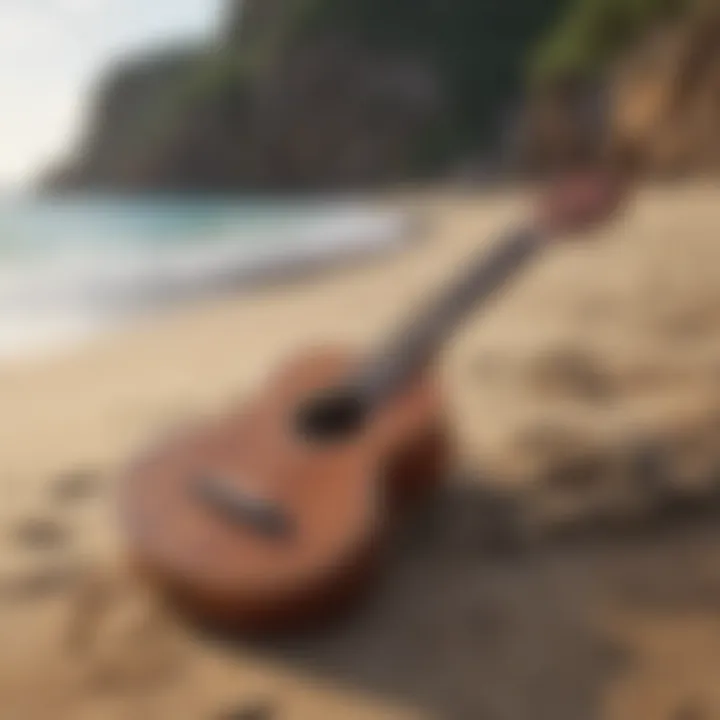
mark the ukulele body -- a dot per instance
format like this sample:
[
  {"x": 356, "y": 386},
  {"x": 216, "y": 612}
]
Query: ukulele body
[{"x": 339, "y": 495}]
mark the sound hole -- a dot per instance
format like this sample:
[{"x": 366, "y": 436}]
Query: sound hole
[{"x": 332, "y": 417}]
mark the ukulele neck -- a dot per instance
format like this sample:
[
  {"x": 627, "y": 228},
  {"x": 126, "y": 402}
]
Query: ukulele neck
[{"x": 414, "y": 347}]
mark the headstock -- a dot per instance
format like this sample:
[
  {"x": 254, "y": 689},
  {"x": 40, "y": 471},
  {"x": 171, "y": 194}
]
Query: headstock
[{"x": 581, "y": 200}]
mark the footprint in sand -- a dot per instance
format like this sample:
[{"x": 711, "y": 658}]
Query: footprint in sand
[
  {"x": 47, "y": 569},
  {"x": 252, "y": 711},
  {"x": 76, "y": 486},
  {"x": 40, "y": 583},
  {"x": 41, "y": 534}
]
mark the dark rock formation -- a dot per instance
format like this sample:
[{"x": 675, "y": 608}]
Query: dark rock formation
[{"x": 311, "y": 94}]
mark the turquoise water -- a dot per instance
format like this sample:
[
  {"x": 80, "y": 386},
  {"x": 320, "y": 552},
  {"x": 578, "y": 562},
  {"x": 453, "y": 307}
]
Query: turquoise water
[{"x": 69, "y": 268}]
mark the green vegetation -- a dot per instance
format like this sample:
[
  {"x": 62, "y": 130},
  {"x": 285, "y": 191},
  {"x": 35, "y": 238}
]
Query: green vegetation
[{"x": 592, "y": 32}]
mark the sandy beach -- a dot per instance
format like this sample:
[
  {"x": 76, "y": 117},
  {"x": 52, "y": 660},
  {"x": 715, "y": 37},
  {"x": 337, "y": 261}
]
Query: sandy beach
[{"x": 604, "y": 356}]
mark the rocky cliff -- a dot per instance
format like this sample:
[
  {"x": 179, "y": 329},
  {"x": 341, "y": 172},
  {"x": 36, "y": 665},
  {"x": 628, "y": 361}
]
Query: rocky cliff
[
  {"x": 311, "y": 94},
  {"x": 667, "y": 97}
]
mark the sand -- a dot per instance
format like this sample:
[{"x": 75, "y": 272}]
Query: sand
[{"x": 557, "y": 584}]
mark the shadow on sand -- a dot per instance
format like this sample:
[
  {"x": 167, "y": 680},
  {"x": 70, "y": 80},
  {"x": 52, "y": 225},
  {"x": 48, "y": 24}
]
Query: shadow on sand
[{"x": 476, "y": 619}]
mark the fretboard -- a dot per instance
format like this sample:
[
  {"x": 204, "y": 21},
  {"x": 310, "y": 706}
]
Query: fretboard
[{"x": 410, "y": 350}]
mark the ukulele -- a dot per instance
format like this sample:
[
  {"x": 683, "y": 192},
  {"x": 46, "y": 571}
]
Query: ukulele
[{"x": 275, "y": 516}]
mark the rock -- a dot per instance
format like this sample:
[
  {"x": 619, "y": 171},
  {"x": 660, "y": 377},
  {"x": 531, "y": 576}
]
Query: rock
[
  {"x": 665, "y": 97},
  {"x": 307, "y": 96}
]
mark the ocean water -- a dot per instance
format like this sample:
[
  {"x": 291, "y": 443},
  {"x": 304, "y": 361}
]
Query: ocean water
[{"x": 72, "y": 268}]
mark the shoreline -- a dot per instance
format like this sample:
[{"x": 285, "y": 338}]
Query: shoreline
[{"x": 342, "y": 235}]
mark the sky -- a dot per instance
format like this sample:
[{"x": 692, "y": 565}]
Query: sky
[{"x": 52, "y": 52}]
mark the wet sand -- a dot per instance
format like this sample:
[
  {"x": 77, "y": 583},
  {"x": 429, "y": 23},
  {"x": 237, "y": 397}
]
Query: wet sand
[{"x": 571, "y": 571}]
